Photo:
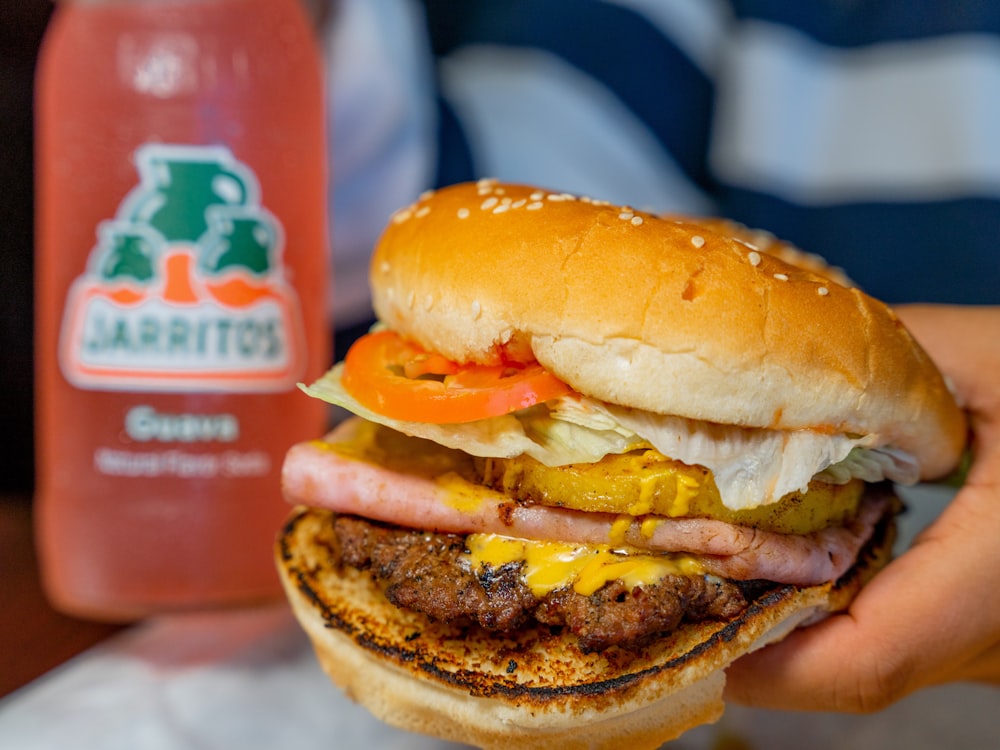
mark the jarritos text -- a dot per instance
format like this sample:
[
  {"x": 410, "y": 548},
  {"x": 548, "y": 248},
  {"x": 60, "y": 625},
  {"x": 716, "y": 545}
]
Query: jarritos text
[{"x": 185, "y": 289}]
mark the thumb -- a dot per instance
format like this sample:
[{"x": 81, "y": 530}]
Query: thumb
[{"x": 931, "y": 616}]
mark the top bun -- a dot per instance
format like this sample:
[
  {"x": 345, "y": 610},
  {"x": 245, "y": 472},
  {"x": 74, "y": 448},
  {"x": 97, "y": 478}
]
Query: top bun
[{"x": 667, "y": 315}]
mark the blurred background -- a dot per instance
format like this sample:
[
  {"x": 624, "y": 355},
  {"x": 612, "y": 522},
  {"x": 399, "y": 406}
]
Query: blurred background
[
  {"x": 22, "y": 23},
  {"x": 864, "y": 132}
]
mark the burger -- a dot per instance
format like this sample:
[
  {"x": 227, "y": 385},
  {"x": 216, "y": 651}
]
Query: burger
[{"x": 594, "y": 456}]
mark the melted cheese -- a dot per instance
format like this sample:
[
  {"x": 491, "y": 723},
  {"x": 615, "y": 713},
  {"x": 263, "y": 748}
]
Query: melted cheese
[
  {"x": 549, "y": 566},
  {"x": 463, "y": 495}
]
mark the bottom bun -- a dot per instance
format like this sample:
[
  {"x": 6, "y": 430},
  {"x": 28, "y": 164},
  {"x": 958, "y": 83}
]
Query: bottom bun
[{"x": 536, "y": 688}]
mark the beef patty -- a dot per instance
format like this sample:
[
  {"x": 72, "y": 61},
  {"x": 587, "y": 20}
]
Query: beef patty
[{"x": 424, "y": 572}]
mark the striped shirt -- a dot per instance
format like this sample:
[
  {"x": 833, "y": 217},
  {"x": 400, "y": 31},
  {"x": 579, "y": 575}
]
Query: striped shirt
[{"x": 867, "y": 132}]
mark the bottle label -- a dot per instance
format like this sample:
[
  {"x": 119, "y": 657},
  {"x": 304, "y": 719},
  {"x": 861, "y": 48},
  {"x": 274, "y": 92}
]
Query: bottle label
[
  {"x": 185, "y": 288},
  {"x": 172, "y": 441}
]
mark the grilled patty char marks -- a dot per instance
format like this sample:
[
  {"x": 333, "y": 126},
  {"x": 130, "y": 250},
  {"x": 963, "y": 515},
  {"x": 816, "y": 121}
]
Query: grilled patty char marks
[{"x": 423, "y": 571}]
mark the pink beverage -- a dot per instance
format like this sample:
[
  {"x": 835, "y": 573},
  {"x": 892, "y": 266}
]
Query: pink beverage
[{"x": 182, "y": 280}]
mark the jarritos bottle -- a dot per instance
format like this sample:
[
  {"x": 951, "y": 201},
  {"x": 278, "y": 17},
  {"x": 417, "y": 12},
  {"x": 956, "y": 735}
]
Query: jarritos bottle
[{"x": 181, "y": 294}]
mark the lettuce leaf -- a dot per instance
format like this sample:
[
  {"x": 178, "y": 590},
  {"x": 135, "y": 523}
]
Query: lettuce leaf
[
  {"x": 751, "y": 466},
  {"x": 533, "y": 431}
]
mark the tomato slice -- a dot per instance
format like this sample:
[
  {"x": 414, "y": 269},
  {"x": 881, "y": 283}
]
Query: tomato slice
[{"x": 400, "y": 380}]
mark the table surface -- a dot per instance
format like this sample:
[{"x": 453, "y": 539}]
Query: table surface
[{"x": 35, "y": 637}]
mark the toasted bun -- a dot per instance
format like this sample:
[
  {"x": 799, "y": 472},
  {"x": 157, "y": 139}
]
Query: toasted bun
[
  {"x": 666, "y": 316},
  {"x": 535, "y": 689}
]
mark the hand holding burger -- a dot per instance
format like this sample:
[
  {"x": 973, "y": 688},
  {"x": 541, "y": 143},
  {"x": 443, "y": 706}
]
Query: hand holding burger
[
  {"x": 933, "y": 615},
  {"x": 598, "y": 456}
]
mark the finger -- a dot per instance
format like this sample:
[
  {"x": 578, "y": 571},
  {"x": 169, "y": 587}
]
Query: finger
[
  {"x": 963, "y": 342},
  {"x": 931, "y": 616},
  {"x": 845, "y": 663},
  {"x": 984, "y": 668}
]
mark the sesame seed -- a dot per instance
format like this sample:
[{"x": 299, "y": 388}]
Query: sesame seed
[
  {"x": 502, "y": 208},
  {"x": 429, "y": 302},
  {"x": 698, "y": 241},
  {"x": 426, "y": 194},
  {"x": 519, "y": 203},
  {"x": 625, "y": 215},
  {"x": 477, "y": 309},
  {"x": 636, "y": 221},
  {"x": 781, "y": 277},
  {"x": 754, "y": 257},
  {"x": 534, "y": 206},
  {"x": 400, "y": 216},
  {"x": 410, "y": 299},
  {"x": 499, "y": 191},
  {"x": 486, "y": 181},
  {"x": 422, "y": 211},
  {"x": 536, "y": 196},
  {"x": 489, "y": 203},
  {"x": 384, "y": 266},
  {"x": 823, "y": 291},
  {"x": 506, "y": 201},
  {"x": 463, "y": 213}
]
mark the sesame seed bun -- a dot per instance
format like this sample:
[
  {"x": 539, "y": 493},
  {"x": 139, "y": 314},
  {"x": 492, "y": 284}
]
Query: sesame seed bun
[
  {"x": 665, "y": 315},
  {"x": 534, "y": 689}
]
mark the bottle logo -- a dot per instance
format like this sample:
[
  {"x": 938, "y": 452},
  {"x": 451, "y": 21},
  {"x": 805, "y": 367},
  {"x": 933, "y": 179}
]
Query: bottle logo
[{"x": 185, "y": 287}]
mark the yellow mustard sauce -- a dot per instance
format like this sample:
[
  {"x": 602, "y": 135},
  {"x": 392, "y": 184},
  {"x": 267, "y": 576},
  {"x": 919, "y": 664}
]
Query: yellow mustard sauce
[
  {"x": 687, "y": 490},
  {"x": 648, "y": 527},
  {"x": 619, "y": 529}
]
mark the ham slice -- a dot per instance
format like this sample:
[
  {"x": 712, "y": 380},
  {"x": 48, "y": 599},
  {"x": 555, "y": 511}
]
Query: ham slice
[{"x": 315, "y": 475}]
